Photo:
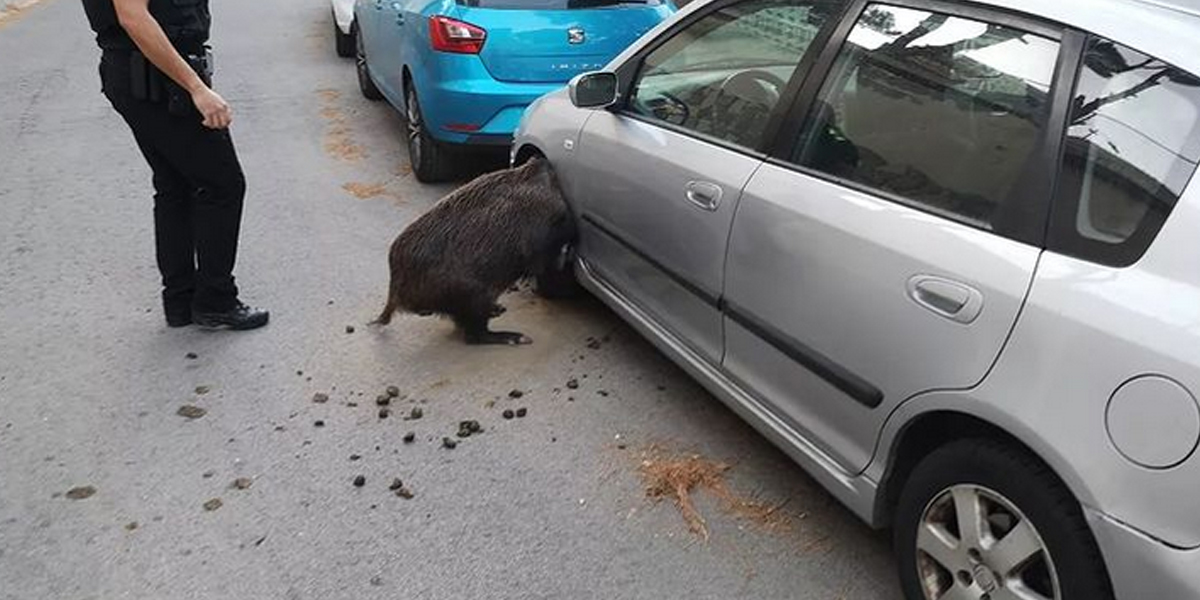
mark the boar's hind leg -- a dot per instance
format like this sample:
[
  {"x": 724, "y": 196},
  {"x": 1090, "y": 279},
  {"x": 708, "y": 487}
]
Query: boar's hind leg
[
  {"x": 475, "y": 329},
  {"x": 474, "y": 322}
]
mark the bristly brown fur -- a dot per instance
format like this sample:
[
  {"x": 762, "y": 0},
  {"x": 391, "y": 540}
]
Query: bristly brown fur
[{"x": 475, "y": 243}]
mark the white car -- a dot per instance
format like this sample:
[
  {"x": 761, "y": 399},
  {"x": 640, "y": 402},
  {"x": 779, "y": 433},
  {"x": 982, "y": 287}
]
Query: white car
[{"x": 343, "y": 27}]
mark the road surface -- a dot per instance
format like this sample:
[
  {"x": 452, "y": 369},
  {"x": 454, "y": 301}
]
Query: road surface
[{"x": 552, "y": 505}]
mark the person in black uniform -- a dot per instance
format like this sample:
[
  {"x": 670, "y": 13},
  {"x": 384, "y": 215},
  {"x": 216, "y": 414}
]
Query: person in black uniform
[{"x": 155, "y": 69}]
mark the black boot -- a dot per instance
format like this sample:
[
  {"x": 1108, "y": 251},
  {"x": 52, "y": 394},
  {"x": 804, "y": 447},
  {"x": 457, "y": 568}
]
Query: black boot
[
  {"x": 179, "y": 318},
  {"x": 238, "y": 318}
]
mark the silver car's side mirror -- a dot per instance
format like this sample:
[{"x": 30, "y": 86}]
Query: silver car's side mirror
[{"x": 597, "y": 89}]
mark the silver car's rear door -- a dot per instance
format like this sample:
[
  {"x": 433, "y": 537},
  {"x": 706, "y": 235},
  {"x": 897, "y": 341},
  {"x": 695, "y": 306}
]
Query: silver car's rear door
[{"x": 891, "y": 252}]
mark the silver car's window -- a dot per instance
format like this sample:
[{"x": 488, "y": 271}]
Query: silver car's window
[
  {"x": 723, "y": 75},
  {"x": 940, "y": 112},
  {"x": 1132, "y": 146}
]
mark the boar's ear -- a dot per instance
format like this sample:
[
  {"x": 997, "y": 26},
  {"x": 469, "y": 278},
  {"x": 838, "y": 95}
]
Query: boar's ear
[
  {"x": 535, "y": 162},
  {"x": 546, "y": 173}
]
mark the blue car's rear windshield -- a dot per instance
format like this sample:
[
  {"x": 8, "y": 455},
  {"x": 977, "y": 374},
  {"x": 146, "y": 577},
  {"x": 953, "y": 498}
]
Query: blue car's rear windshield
[{"x": 552, "y": 4}]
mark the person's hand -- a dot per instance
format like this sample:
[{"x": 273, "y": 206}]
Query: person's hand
[{"x": 214, "y": 109}]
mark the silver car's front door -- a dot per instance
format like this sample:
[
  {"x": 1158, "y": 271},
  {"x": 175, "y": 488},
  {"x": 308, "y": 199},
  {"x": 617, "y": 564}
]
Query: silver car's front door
[
  {"x": 659, "y": 179},
  {"x": 893, "y": 255},
  {"x": 656, "y": 221}
]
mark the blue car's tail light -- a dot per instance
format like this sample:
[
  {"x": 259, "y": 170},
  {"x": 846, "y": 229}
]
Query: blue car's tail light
[{"x": 451, "y": 35}]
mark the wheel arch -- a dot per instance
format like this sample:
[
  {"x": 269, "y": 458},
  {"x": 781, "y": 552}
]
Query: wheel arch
[
  {"x": 924, "y": 432},
  {"x": 526, "y": 151},
  {"x": 406, "y": 81}
]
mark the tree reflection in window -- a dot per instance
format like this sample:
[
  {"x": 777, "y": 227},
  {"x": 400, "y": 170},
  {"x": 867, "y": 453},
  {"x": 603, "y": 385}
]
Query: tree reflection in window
[
  {"x": 1132, "y": 147},
  {"x": 942, "y": 111}
]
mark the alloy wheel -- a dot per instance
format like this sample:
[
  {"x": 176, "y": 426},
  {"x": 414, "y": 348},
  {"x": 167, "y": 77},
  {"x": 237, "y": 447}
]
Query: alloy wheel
[
  {"x": 360, "y": 55},
  {"x": 973, "y": 543},
  {"x": 415, "y": 127}
]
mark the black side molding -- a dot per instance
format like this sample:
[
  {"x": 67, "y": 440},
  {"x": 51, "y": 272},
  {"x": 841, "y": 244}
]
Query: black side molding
[
  {"x": 834, "y": 374},
  {"x": 705, "y": 296}
]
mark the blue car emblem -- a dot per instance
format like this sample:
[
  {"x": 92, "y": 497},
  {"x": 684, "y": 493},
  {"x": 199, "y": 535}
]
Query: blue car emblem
[{"x": 576, "y": 35}]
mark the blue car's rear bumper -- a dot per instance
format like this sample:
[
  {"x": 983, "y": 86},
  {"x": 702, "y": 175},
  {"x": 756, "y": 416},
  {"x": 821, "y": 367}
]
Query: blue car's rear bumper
[{"x": 463, "y": 104}]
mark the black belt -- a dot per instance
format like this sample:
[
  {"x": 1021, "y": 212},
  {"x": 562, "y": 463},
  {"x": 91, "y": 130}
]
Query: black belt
[{"x": 183, "y": 48}]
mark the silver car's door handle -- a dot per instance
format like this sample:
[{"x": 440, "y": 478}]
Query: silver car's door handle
[
  {"x": 946, "y": 298},
  {"x": 704, "y": 194}
]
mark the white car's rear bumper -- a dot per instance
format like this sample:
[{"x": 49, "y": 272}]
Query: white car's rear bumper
[{"x": 343, "y": 14}]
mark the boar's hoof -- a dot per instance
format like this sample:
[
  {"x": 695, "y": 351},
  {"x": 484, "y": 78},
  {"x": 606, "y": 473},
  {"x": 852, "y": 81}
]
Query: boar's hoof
[{"x": 508, "y": 338}]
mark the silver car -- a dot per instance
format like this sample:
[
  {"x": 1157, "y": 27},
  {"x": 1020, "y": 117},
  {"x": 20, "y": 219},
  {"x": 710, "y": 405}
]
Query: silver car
[{"x": 945, "y": 254}]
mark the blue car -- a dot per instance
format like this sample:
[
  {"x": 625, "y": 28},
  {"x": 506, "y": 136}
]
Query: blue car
[{"x": 463, "y": 71}]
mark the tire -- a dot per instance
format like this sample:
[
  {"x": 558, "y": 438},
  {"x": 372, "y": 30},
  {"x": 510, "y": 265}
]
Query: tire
[
  {"x": 344, "y": 43},
  {"x": 1014, "y": 498},
  {"x": 558, "y": 281},
  {"x": 365, "y": 84},
  {"x": 429, "y": 159}
]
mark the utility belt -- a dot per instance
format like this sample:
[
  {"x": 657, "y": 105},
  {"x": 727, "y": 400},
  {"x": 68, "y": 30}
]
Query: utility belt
[{"x": 149, "y": 84}]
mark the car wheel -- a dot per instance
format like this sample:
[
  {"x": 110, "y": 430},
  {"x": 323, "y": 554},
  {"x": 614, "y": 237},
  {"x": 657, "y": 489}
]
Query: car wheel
[
  {"x": 558, "y": 281},
  {"x": 428, "y": 158},
  {"x": 369, "y": 91},
  {"x": 344, "y": 43},
  {"x": 983, "y": 520}
]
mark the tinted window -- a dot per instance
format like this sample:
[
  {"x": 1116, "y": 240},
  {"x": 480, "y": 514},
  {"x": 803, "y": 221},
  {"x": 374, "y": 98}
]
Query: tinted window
[
  {"x": 723, "y": 75},
  {"x": 1132, "y": 147},
  {"x": 942, "y": 112}
]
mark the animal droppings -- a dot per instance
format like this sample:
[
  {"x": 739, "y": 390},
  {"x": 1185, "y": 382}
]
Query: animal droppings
[
  {"x": 191, "y": 412},
  {"x": 81, "y": 492}
]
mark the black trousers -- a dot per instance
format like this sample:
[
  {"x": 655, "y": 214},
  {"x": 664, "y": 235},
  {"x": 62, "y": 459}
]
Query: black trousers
[{"x": 198, "y": 193}]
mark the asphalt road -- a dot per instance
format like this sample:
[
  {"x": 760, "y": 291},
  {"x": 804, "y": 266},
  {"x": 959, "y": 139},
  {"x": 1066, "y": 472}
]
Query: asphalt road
[{"x": 549, "y": 506}]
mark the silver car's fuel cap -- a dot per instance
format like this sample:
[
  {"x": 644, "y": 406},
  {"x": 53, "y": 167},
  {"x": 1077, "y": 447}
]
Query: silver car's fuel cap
[{"x": 1153, "y": 422}]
